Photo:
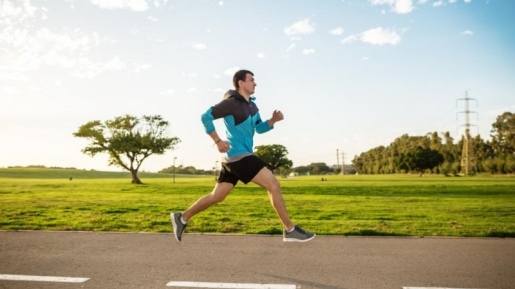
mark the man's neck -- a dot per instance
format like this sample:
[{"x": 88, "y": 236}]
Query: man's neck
[{"x": 242, "y": 93}]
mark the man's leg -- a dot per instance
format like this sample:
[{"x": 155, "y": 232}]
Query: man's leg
[
  {"x": 291, "y": 233},
  {"x": 268, "y": 181},
  {"x": 218, "y": 194},
  {"x": 179, "y": 220}
]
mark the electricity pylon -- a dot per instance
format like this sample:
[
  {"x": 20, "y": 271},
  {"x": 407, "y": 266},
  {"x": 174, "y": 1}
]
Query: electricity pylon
[{"x": 468, "y": 157}]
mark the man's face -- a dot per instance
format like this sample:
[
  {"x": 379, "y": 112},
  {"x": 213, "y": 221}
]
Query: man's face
[{"x": 249, "y": 85}]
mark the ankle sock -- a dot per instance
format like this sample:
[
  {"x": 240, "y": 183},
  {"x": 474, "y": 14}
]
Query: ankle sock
[
  {"x": 289, "y": 231},
  {"x": 183, "y": 222}
]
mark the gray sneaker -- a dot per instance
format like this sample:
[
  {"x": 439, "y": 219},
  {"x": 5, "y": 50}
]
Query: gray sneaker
[
  {"x": 297, "y": 235},
  {"x": 178, "y": 226}
]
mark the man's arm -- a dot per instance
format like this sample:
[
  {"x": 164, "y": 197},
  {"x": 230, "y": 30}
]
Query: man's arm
[
  {"x": 263, "y": 127},
  {"x": 222, "y": 145},
  {"x": 218, "y": 111},
  {"x": 277, "y": 115}
]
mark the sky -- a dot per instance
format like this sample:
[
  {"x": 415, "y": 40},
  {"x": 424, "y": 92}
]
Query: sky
[{"x": 348, "y": 76}]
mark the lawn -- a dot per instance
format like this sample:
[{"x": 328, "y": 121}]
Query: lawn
[{"x": 392, "y": 205}]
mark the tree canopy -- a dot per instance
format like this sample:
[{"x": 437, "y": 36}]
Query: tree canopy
[
  {"x": 276, "y": 157},
  {"x": 128, "y": 140},
  {"x": 503, "y": 134},
  {"x": 496, "y": 156},
  {"x": 419, "y": 160}
]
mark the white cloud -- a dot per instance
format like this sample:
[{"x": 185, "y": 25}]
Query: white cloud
[
  {"x": 199, "y": 46},
  {"x": 376, "y": 36},
  {"x": 190, "y": 74},
  {"x": 221, "y": 3},
  {"x": 9, "y": 90},
  {"x": 424, "y": 1},
  {"x": 135, "y": 5},
  {"x": 26, "y": 51},
  {"x": 169, "y": 91},
  {"x": 261, "y": 55},
  {"x": 16, "y": 76},
  {"x": 438, "y": 3},
  {"x": 452, "y": 1},
  {"x": 380, "y": 36},
  {"x": 138, "y": 68},
  {"x": 467, "y": 1},
  {"x": 26, "y": 48},
  {"x": 365, "y": 58},
  {"x": 308, "y": 51},
  {"x": 89, "y": 69},
  {"x": 337, "y": 31},
  {"x": 290, "y": 48},
  {"x": 300, "y": 27},
  {"x": 17, "y": 12},
  {"x": 191, "y": 90},
  {"x": 467, "y": 32},
  {"x": 231, "y": 71},
  {"x": 152, "y": 19},
  {"x": 397, "y": 6},
  {"x": 350, "y": 39}
]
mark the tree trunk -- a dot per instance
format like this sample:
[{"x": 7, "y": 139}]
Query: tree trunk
[{"x": 135, "y": 179}]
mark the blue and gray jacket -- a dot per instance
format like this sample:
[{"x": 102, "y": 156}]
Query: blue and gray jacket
[{"x": 241, "y": 120}]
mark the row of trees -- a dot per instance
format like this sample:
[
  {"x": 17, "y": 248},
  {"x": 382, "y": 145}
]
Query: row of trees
[
  {"x": 437, "y": 153},
  {"x": 186, "y": 170},
  {"x": 129, "y": 140}
]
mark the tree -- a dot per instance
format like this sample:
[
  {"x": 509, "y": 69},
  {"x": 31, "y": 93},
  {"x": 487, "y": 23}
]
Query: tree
[
  {"x": 319, "y": 168},
  {"x": 274, "y": 156},
  {"x": 128, "y": 140},
  {"x": 419, "y": 159},
  {"x": 503, "y": 134}
]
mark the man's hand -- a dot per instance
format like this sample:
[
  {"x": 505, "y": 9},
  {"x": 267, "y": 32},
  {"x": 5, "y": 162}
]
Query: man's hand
[
  {"x": 276, "y": 116},
  {"x": 222, "y": 146}
]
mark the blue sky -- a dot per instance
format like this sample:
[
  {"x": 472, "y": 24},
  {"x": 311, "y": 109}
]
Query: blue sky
[{"x": 348, "y": 75}]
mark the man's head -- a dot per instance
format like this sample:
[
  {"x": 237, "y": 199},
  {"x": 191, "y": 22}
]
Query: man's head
[{"x": 243, "y": 82}]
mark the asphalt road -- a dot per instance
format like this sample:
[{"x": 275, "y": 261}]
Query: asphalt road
[{"x": 148, "y": 260}]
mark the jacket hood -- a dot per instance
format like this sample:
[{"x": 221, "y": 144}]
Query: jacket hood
[
  {"x": 234, "y": 93},
  {"x": 230, "y": 93}
]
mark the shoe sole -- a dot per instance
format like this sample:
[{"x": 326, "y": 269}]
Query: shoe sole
[
  {"x": 174, "y": 225},
  {"x": 297, "y": 240}
]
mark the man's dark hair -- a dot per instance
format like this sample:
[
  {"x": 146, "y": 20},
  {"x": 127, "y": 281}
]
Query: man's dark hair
[{"x": 240, "y": 75}]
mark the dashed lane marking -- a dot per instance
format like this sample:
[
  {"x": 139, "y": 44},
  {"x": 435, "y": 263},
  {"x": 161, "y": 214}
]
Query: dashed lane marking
[
  {"x": 42, "y": 278},
  {"x": 434, "y": 288},
  {"x": 228, "y": 285}
]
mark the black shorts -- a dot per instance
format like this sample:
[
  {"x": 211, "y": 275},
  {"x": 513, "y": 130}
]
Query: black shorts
[{"x": 243, "y": 170}]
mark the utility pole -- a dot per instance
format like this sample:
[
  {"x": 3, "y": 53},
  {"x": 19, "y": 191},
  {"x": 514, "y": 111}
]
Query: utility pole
[
  {"x": 343, "y": 163},
  {"x": 174, "y": 169},
  {"x": 337, "y": 160},
  {"x": 215, "y": 168},
  {"x": 468, "y": 158}
]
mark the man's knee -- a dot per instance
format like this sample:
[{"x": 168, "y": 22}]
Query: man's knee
[
  {"x": 220, "y": 192},
  {"x": 217, "y": 198}
]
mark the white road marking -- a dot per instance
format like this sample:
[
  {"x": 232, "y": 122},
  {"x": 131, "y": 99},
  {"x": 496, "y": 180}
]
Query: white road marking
[
  {"x": 434, "y": 288},
  {"x": 42, "y": 278},
  {"x": 228, "y": 285}
]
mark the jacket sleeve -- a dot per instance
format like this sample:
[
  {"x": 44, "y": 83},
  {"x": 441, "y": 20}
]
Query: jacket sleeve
[
  {"x": 217, "y": 111},
  {"x": 262, "y": 127}
]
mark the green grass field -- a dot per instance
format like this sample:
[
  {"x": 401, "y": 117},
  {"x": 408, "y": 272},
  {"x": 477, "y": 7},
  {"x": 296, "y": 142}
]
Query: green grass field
[{"x": 407, "y": 205}]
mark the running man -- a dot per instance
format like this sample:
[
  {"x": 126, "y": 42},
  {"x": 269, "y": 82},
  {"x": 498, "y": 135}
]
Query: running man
[{"x": 242, "y": 120}]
